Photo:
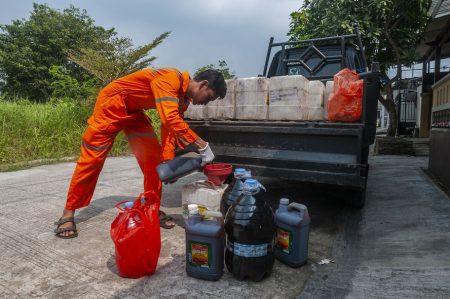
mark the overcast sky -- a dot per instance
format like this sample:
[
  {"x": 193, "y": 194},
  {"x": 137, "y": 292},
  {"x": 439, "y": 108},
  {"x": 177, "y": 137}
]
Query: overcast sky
[{"x": 203, "y": 31}]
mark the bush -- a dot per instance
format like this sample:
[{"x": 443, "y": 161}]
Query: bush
[
  {"x": 63, "y": 85},
  {"x": 31, "y": 131}
]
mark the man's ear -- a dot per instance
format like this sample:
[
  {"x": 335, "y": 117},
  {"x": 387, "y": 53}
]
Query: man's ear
[{"x": 204, "y": 83}]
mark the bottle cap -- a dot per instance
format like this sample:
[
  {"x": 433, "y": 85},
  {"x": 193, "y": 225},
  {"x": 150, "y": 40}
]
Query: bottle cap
[
  {"x": 128, "y": 204},
  {"x": 284, "y": 201},
  {"x": 240, "y": 171},
  {"x": 251, "y": 184}
]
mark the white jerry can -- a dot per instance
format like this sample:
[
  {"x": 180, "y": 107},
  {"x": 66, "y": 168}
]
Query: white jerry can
[
  {"x": 286, "y": 94},
  {"x": 202, "y": 193},
  {"x": 312, "y": 105},
  {"x": 222, "y": 109},
  {"x": 328, "y": 89},
  {"x": 251, "y": 98}
]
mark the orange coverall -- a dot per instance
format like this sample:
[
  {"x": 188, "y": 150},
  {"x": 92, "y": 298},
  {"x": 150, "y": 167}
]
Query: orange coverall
[{"x": 120, "y": 106}]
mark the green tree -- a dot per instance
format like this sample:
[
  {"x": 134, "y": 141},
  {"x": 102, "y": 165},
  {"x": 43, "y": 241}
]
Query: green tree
[
  {"x": 389, "y": 28},
  {"x": 28, "y": 48},
  {"x": 223, "y": 68},
  {"x": 116, "y": 58},
  {"x": 63, "y": 85}
]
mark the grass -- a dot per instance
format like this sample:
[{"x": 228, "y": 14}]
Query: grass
[{"x": 33, "y": 134}]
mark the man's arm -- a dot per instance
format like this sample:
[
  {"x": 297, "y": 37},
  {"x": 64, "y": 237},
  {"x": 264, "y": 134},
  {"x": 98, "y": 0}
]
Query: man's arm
[{"x": 165, "y": 89}]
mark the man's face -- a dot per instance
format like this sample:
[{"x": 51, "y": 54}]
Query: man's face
[{"x": 202, "y": 95}]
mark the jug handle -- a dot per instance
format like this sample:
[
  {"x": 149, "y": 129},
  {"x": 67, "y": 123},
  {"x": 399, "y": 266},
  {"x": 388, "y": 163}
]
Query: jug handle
[
  {"x": 297, "y": 206},
  {"x": 214, "y": 214},
  {"x": 207, "y": 184}
]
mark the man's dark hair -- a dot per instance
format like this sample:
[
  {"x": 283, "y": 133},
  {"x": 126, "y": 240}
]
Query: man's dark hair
[{"x": 215, "y": 81}]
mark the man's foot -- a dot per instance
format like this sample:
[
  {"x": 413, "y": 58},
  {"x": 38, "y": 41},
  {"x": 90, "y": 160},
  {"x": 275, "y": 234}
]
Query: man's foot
[
  {"x": 166, "y": 221},
  {"x": 65, "y": 226}
]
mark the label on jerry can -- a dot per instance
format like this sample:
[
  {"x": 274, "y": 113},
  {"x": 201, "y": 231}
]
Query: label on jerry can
[
  {"x": 284, "y": 240},
  {"x": 199, "y": 254}
]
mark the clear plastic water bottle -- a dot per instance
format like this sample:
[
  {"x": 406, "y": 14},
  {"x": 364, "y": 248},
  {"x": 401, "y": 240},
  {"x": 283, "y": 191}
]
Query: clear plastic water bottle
[
  {"x": 250, "y": 230},
  {"x": 234, "y": 189}
]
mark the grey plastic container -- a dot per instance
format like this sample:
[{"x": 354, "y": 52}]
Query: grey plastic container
[
  {"x": 205, "y": 242},
  {"x": 291, "y": 241},
  {"x": 179, "y": 167}
]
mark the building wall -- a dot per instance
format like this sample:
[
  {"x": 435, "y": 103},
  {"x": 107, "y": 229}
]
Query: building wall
[
  {"x": 439, "y": 162},
  {"x": 441, "y": 103}
]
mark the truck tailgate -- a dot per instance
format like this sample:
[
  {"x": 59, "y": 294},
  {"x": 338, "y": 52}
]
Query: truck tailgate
[{"x": 320, "y": 152}]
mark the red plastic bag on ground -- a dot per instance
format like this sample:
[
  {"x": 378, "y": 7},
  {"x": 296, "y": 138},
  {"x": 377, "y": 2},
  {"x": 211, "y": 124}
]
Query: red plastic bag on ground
[
  {"x": 136, "y": 236},
  {"x": 345, "y": 101}
]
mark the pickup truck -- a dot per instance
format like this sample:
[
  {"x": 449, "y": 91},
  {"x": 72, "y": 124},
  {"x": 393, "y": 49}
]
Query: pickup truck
[{"x": 321, "y": 152}]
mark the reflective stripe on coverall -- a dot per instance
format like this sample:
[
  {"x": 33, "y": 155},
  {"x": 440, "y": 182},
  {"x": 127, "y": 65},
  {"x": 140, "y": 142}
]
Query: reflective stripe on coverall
[{"x": 120, "y": 106}]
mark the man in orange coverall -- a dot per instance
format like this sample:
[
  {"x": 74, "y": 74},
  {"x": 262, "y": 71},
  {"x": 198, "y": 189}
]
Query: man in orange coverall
[{"x": 120, "y": 106}]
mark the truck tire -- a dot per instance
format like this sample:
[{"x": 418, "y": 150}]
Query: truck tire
[{"x": 356, "y": 198}]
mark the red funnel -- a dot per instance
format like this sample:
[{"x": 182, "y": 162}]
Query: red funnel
[{"x": 217, "y": 173}]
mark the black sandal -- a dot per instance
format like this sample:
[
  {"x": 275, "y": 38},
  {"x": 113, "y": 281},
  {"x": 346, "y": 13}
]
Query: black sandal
[
  {"x": 58, "y": 231},
  {"x": 163, "y": 218}
]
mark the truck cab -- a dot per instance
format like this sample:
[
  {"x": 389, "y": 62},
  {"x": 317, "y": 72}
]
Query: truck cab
[{"x": 314, "y": 62}]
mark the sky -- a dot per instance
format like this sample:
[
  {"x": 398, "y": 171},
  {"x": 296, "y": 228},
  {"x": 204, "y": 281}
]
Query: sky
[{"x": 202, "y": 31}]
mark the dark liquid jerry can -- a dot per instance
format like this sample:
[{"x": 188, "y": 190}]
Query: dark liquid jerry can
[
  {"x": 205, "y": 241},
  {"x": 178, "y": 167},
  {"x": 291, "y": 242}
]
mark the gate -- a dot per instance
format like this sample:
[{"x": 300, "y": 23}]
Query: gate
[{"x": 407, "y": 111}]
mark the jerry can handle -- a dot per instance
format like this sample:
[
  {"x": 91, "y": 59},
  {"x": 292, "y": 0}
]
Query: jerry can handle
[
  {"x": 297, "y": 206},
  {"x": 205, "y": 184},
  {"x": 214, "y": 214}
]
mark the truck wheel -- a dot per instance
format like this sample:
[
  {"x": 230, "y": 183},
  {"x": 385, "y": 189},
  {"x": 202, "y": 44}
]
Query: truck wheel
[{"x": 356, "y": 198}]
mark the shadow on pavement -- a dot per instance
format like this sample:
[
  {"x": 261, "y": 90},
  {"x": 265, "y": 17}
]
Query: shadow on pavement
[
  {"x": 323, "y": 202},
  {"x": 143, "y": 288},
  {"x": 100, "y": 205}
]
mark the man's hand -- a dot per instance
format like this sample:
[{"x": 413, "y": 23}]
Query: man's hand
[
  {"x": 200, "y": 143},
  {"x": 206, "y": 154}
]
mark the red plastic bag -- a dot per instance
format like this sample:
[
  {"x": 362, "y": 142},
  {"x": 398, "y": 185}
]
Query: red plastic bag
[
  {"x": 136, "y": 236},
  {"x": 345, "y": 101}
]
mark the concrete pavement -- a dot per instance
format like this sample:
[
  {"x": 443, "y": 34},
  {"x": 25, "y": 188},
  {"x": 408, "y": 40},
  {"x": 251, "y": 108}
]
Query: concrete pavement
[
  {"x": 396, "y": 247},
  {"x": 34, "y": 263}
]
